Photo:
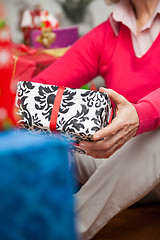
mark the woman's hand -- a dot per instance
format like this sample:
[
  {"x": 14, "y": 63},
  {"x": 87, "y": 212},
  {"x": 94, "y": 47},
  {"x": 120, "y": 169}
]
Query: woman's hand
[{"x": 122, "y": 128}]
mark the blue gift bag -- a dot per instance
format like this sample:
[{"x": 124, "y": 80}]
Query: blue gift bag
[{"x": 36, "y": 201}]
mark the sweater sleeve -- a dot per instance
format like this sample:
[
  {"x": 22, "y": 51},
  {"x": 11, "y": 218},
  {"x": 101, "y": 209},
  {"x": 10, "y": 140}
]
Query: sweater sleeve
[
  {"x": 148, "y": 109},
  {"x": 79, "y": 65}
]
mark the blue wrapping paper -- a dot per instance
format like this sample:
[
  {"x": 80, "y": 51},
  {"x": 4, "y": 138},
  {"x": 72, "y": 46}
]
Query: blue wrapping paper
[{"x": 35, "y": 188}]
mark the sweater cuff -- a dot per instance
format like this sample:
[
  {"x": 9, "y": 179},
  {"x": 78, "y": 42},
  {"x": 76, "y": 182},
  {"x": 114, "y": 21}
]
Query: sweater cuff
[{"x": 146, "y": 114}]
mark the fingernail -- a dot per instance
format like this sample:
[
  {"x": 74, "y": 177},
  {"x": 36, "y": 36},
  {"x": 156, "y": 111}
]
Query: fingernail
[
  {"x": 102, "y": 89},
  {"x": 97, "y": 137}
]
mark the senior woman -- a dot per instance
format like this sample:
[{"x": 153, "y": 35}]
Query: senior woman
[{"x": 123, "y": 167}]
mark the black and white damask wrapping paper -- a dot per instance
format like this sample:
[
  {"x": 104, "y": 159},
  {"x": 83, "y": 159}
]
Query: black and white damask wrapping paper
[{"x": 81, "y": 113}]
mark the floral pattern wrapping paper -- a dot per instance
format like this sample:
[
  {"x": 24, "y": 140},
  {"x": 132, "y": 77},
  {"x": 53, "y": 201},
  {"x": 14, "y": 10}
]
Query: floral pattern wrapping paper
[{"x": 81, "y": 112}]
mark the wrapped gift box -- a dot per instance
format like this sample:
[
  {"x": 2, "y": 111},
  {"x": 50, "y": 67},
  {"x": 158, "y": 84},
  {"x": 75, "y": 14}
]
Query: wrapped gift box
[
  {"x": 28, "y": 62},
  {"x": 64, "y": 37},
  {"x": 77, "y": 112},
  {"x": 36, "y": 188}
]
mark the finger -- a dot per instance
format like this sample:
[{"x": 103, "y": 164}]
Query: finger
[
  {"x": 106, "y": 153},
  {"x": 104, "y": 144},
  {"x": 107, "y": 143},
  {"x": 97, "y": 155},
  {"x": 109, "y": 131},
  {"x": 114, "y": 96},
  {"x": 94, "y": 146},
  {"x": 118, "y": 145}
]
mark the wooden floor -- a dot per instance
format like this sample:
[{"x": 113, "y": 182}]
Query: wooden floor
[{"x": 139, "y": 222}]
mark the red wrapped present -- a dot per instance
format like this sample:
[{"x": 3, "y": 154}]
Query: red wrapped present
[
  {"x": 7, "y": 89},
  {"x": 28, "y": 62}
]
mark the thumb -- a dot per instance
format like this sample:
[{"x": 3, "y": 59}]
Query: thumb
[{"x": 114, "y": 96}]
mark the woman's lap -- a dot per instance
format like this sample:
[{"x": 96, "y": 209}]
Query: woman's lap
[{"x": 110, "y": 185}]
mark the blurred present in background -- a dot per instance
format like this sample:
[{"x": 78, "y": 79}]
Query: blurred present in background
[
  {"x": 44, "y": 42},
  {"x": 58, "y": 38},
  {"x": 28, "y": 62},
  {"x": 95, "y": 12},
  {"x": 37, "y": 18},
  {"x": 7, "y": 87},
  {"x": 41, "y": 29}
]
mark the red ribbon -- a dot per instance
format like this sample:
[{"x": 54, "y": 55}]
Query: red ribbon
[
  {"x": 56, "y": 106},
  {"x": 55, "y": 110},
  {"x": 23, "y": 49},
  {"x": 111, "y": 116}
]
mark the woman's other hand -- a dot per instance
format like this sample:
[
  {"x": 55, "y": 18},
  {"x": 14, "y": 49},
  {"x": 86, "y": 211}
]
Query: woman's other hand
[{"x": 122, "y": 128}]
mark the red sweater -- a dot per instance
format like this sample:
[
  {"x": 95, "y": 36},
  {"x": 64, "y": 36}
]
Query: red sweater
[{"x": 100, "y": 52}]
